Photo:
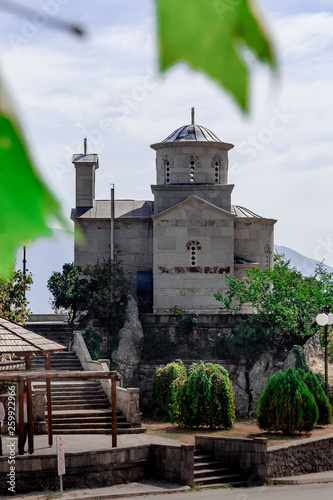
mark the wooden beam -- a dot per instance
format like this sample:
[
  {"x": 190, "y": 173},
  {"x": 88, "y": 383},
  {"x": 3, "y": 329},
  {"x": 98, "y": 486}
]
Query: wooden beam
[
  {"x": 34, "y": 375},
  {"x": 29, "y": 409},
  {"x": 21, "y": 417},
  {"x": 114, "y": 411},
  {"x": 49, "y": 401}
]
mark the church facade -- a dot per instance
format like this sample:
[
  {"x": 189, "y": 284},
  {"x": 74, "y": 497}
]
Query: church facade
[{"x": 180, "y": 246}]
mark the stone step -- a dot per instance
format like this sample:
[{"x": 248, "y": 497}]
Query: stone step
[
  {"x": 230, "y": 478},
  {"x": 85, "y": 427},
  {"x": 209, "y": 472},
  {"x": 81, "y": 406},
  {"x": 106, "y": 430}
]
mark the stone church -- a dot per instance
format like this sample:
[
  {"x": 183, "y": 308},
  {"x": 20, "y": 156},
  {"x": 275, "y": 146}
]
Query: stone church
[{"x": 180, "y": 246}]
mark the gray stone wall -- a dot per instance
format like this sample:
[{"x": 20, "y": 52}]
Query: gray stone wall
[
  {"x": 305, "y": 456},
  {"x": 254, "y": 241},
  {"x": 133, "y": 243},
  {"x": 191, "y": 227},
  {"x": 100, "y": 468}
]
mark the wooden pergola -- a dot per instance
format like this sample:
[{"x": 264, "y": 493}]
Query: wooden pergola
[{"x": 14, "y": 339}]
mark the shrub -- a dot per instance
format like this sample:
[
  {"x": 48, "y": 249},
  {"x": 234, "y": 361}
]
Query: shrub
[
  {"x": 324, "y": 407},
  {"x": 162, "y": 383},
  {"x": 287, "y": 404},
  {"x": 205, "y": 399}
]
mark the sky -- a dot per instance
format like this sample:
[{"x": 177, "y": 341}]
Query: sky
[{"x": 106, "y": 87}]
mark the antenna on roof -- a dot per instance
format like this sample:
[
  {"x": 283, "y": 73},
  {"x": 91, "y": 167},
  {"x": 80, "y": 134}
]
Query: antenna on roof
[
  {"x": 192, "y": 115},
  {"x": 85, "y": 146}
]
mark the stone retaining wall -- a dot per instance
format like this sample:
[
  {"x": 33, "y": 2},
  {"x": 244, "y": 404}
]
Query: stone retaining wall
[
  {"x": 248, "y": 456},
  {"x": 301, "y": 457},
  {"x": 100, "y": 468}
]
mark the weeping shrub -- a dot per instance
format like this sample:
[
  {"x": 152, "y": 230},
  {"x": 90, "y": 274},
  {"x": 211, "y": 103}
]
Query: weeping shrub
[
  {"x": 287, "y": 404},
  {"x": 162, "y": 383},
  {"x": 204, "y": 399},
  {"x": 324, "y": 407}
]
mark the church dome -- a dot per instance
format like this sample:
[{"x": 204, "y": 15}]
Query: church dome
[{"x": 192, "y": 133}]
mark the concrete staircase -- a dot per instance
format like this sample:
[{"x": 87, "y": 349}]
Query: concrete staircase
[
  {"x": 209, "y": 472},
  {"x": 78, "y": 406},
  {"x": 60, "y": 332}
]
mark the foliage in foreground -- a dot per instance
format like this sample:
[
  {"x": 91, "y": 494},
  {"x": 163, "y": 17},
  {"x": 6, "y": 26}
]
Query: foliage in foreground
[
  {"x": 13, "y": 302},
  {"x": 203, "y": 399},
  {"x": 101, "y": 289},
  {"x": 287, "y": 404}
]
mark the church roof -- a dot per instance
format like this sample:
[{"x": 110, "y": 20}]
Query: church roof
[
  {"x": 124, "y": 209},
  {"x": 242, "y": 212},
  {"x": 192, "y": 133}
]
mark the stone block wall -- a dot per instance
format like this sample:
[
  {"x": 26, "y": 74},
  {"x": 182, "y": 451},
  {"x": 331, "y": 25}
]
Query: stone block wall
[
  {"x": 305, "y": 456},
  {"x": 245, "y": 455},
  {"x": 100, "y": 468},
  {"x": 173, "y": 463}
]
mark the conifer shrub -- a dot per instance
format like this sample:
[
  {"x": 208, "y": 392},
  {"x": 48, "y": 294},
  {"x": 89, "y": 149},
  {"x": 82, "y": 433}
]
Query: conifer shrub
[
  {"x": 162, "y": 383},
  {"x": 205, "y": 399},
  {"x": 324, "y": 407},
  {"x": 287, "y": 404}
]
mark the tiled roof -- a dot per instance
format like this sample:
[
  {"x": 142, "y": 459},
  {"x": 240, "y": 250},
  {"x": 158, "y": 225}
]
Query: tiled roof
[{"x": 18, "y": 340}]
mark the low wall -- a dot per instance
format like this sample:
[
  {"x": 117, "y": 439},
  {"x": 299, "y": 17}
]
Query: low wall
[
  {"x": 174, "y": 463},
  {"x": 244, "y": 455},
  {"x": 127, "y": 399},
  {"x": 100, "y": 468},
  {"x": 62, "y": 318},
  {"x": 301, "y": 457}
]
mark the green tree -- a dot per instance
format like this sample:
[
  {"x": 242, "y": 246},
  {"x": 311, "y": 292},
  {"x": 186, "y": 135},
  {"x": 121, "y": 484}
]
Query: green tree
[
  {"x": 13, "y": 302},
  {"x": 101, "y": 289},
  {"x": 204, "y": 399},
  {"x": 287, "y": 404},
  {"x": 283, "y": 300},
  {"x": 68, "y": 288}
]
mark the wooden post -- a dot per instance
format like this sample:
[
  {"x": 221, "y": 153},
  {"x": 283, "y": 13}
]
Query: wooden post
[
  {"x": 114, "y": 410},
  {"x": 29, "y": 408},
  {"x": 49, "y": 401},
  {"x": 21, "y": 416}
]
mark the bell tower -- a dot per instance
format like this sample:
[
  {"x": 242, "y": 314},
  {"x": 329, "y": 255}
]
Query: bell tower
[{"x": 192, "y": 160}]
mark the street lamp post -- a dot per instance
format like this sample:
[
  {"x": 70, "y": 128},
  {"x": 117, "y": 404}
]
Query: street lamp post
[{"x": 325, "y": 318}]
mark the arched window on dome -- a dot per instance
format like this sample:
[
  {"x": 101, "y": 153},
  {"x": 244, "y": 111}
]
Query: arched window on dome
[
  {"x": 193, "y": 247},
  {"x": 268, "y": 256},
  {"x": 192, "y": 170}
]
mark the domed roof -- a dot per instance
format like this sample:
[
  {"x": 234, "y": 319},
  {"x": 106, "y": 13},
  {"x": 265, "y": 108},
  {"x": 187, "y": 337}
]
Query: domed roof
[{"x": 192, "y": 133}]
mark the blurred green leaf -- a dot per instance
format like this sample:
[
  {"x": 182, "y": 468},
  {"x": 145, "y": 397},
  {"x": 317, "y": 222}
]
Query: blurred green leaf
[
  {"x": 26, "y": 204},
  {"x": 209, "y": 35}
]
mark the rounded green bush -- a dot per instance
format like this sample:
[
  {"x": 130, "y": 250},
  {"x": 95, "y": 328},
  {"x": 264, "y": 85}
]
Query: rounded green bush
[
  {"x": 287, "y": 404},
  {"x": 324, "y": 407},
  {"x": 205, "y": 399}
]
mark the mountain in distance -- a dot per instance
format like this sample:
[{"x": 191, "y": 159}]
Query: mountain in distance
[
  {"x": 303, "y": 264},
  {"x": 46, "y": 255}
]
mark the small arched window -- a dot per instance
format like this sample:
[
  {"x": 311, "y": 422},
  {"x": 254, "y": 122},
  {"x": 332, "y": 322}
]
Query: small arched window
[
  {"x": 217, "y": 167},
  {"x": 268, "y": 255},
  {"x": 192, "y": 170},
  {"x": 167, "y": 171},
  {"x": 193, "y": 247}
]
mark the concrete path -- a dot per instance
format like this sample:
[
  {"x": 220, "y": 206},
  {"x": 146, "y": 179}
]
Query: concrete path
[{"x": 79, "y": 443}]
